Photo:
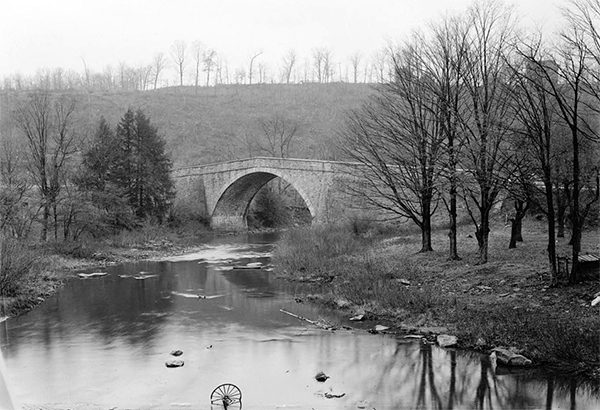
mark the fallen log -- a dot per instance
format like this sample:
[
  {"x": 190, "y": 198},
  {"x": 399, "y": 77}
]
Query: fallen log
[{"x": 312, "y": 322}]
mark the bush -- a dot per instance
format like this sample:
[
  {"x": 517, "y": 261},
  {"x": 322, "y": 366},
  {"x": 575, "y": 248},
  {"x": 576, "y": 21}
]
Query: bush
[
  {"x": 17, "y": 266},
  {"x": 312, "y": 250},
  {"x": 81, "y": 249},
  {"x": 138, "y": 237}
]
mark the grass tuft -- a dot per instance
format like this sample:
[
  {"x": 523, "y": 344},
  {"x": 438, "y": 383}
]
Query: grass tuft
[{"x": 18, "y": 267}]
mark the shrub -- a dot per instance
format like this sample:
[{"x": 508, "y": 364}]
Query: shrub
[
  {"x": 82, "y": 249},
  {"x": 312, "y": 250},
  {"x": 17, "y": 266}
]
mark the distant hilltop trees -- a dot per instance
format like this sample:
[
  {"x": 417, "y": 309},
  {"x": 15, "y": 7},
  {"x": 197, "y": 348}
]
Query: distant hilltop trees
[{"x": 199, "y": 66}]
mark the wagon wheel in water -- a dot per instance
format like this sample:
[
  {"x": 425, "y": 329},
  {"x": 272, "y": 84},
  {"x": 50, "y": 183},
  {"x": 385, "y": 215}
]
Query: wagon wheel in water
[{"x": 227, "y": 395}]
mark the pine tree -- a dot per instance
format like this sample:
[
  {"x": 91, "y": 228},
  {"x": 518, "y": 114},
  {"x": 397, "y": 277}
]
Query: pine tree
[
  {"x": 97, "y": 181},
  {"x": 97, "y": 159},
  {"x": 143, "y": 168},
  {"x": 127, "y": 172}
]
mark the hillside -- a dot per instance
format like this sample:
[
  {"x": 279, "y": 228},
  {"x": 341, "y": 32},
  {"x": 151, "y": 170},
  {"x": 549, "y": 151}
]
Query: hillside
[{"x": 220, "y": 123}]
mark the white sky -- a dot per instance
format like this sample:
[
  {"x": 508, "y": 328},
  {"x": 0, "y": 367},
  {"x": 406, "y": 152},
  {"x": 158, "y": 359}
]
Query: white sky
[{"x": 38, "y": 34}]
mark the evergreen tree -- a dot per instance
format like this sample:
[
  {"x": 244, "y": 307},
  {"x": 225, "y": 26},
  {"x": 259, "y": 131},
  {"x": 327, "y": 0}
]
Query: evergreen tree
[
  {"x": 97, "y": 159},
  {"x": 143, "y": 169},
  {"x": 97, "y": 180},
  {"x": 127, "y": 172}
]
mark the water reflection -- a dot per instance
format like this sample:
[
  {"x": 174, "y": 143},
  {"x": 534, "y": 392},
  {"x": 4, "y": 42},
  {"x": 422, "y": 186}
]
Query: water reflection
[{"x": 105, "y": 341}]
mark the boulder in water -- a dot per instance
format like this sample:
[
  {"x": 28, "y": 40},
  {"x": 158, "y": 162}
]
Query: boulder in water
[
  {"x": 508, "y": 358},
  {"x": 174, "y": 363},
  {"x": 321, "y": 377},
  {"x": 446, "y": 340}
]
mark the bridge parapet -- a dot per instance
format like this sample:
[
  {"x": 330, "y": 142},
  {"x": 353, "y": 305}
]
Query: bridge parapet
[{"x": 259, "y": 162}]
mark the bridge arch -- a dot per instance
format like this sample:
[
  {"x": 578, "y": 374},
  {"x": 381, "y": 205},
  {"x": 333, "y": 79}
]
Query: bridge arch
[
  {"x": 231, "y": 208},
  {"x": 222, "y": 192}
]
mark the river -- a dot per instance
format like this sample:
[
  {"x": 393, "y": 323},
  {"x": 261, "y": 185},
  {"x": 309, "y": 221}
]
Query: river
[{"x": 102, "y": 343}]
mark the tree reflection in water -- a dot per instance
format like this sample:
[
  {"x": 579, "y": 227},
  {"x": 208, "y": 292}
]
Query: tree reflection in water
[{"x": 438, "y": 381}]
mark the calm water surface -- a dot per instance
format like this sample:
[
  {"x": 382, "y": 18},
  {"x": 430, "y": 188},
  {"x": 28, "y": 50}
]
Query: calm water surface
[{"x": 104, "y": 342}]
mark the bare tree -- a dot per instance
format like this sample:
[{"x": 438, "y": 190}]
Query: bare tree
[
  {"x": 262, "y": 73},
  {"x": 221, "y": 71},
  {"x": 198, "y": 54},
  {"x": 48, "y": 125},
  {"x": 355, "y": 60},
  {"x": 159, "y": 63},
  {"x": 486, "y": 120},
  {"x": 108, "y": 78},
  {"x": 567, "y": 81},
  {"x": 380, "y": 65},
  {"x": 536, "y": 124},
  {"x": 144, "y": 76},
  {"x": 86, "y": 72},
  {"x": 328, "y": 67},
  {"x": 208, "y": 59},
  {"x": 14, "y": 215},
  {"x": 250, "y": 69},
  {"x": 289, "y": 61},
  {"x": 240, "y": 75},
  {"x": 279, "y": 133},
  {"x": 58, "y": 81},
  {"x": 397, "y": 140},
  {"x": 178, "y": 54},
  {"x": 122, "y": 74},
  {"x": 323, "y": 64},
  {"x": 445, "y": 59}
]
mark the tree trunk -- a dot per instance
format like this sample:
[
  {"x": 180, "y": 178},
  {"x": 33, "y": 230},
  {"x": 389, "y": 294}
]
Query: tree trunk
[
  {"x": 517, "y": 224},
  {"x": 519, "y": 232},
  {"x": 575, "y": 214},
  {"x": 55, "y": 217},
  {"x": 452, "y": 213},
  {"x": 45, "y": 219},
  {"x": 482, "y": 234},
  {"x": 551, "y": 231},
  {"x": 426, "y": 237},
  {"x": 453, "y": 255},
  {"x": 426, "y": 227},
  {"x": 514, "y": 230}
]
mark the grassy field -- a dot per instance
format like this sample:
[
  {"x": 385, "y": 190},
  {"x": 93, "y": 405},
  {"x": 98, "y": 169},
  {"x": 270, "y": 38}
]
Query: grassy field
[
  {"x": 504, "y": 303},
  {"x": 214, "y": 124}
]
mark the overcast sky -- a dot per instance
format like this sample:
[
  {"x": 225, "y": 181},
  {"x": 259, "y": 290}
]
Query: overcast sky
[{"x": 38, "y": 34}]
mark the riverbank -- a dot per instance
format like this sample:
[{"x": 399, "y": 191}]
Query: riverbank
[
  {"x": 505, "y": 303},
  {"x": 49, "y": 265}
]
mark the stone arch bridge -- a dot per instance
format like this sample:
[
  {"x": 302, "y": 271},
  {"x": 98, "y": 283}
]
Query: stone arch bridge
[{"x": 222, "y": 192}]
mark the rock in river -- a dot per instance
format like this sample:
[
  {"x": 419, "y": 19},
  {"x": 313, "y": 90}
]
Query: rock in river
[
  {"x": 176, "y": 353},
  {"x": 508, "y": 358},
  {"x": 174, "y": 363},
  {"x": 321, "y": 377},
  {"x": 378, "y": 329},
  {"x": 91, "y": 275},
  {"x": 446, "y": 340}
]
